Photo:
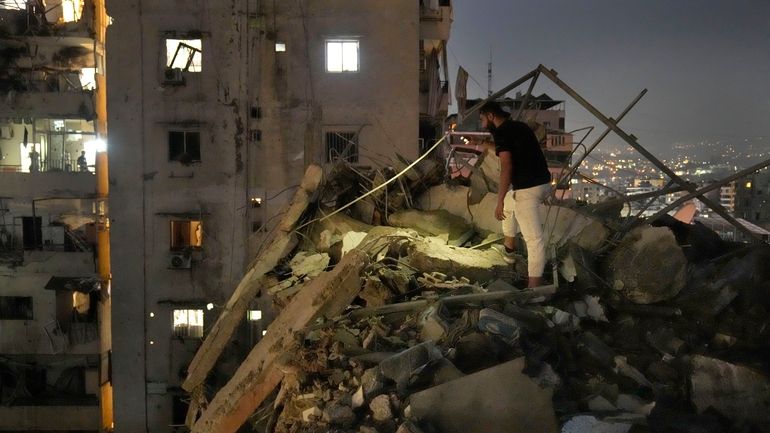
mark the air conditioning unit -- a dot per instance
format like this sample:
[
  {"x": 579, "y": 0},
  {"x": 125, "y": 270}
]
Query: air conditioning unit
[
  {"x": 173, "y": 76},
  {"x": 180, "y": 261}
]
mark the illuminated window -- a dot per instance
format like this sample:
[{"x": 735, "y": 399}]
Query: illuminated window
[
  {"x": 72, "y": 10},
  {"x": 184, "y": 146},
  {"x": 188, "y": 323},
  {"x": 184, "y": 54},
  {"x": 186, "y": 234},
  {"x": 342, "y": 55},
  {"x": 254, "y": 315},
  {"x": 280, "y": 47}
]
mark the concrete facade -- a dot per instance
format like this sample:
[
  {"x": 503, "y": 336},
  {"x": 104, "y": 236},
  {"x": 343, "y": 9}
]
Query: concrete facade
[{"x": 261, "y": 107}]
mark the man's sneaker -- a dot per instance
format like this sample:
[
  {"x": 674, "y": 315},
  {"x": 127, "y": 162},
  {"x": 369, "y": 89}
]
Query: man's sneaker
[{"x": 509, "y": 258}]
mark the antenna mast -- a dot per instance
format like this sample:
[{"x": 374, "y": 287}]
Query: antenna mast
[{"x": 489, "y": 73}]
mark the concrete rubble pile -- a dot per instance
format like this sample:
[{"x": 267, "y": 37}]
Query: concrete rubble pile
[{"x": 394, "y": 319}]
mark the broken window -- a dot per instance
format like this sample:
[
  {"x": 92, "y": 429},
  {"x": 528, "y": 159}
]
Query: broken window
[
  {"x": 15, "y": 308},
  {"x": 342, "y": 55},
  {"x": 184, "y": 146},
  {"x": 341, "y": 145},
  {"x": 184, "y": 54},
  {"x": 186, "y": 234},
  {"x": 188, "y": 323}
]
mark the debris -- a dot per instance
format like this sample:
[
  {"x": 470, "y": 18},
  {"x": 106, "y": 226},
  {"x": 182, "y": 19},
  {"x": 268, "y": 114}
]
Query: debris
[
  {"x": 339, "y": 415},
  {"x": 450, "y": 228},
  {"x": 499, "y": 324},
  {"x": 327, "y": 295},
  {"x": 589, "y": 424},
  {"x": 647, "y": 266},
  {"x": 478, "y": 266},
  {"x": 737, "y": 392},
  {"x": 406, "y": 332},
  {"x": 464, "y": 405},
  {"x": 380, "y": 407}
]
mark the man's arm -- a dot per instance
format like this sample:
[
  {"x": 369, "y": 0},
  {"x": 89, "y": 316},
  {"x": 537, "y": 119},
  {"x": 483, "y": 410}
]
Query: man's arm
[{"x": 506, "y": 174}]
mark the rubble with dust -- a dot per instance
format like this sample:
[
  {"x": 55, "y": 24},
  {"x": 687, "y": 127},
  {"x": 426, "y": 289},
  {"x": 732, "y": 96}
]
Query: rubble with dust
[{"x": 640, "y": 332}]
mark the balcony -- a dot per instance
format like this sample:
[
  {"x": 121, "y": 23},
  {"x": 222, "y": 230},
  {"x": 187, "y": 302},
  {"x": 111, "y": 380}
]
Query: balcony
[
  {"x": 59, "y": 418},
  {"x": 46, "y": 184},
  {"x": 435, "y": 22},
  {"x": 63, "y": 105}
]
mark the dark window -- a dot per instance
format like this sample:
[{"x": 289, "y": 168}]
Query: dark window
[
  {"x": 32, "y": 232},
  {"x": 561, "y": 123},
  {"x": 15, "y": 308},
  {"x": 184, "y": 146},
  {"x": 341, "y": 145}
]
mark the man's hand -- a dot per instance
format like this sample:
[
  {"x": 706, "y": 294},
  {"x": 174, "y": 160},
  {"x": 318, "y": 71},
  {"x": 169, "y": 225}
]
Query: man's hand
[{"x": 499, "y": 214}]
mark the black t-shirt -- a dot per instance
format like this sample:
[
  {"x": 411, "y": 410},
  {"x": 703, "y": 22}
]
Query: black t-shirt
[{"x": 529, "y": 166}]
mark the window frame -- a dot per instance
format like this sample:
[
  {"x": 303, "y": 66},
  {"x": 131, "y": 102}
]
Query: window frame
[
  {"x": 173, "y": 246},
  {"x": 190, "y": 65},
  {"x": 356, "y": 139},
  {"x": 184, "y": 132},
  {"x": 342, "y": 41},
  {"x": 175, "y": 327}
]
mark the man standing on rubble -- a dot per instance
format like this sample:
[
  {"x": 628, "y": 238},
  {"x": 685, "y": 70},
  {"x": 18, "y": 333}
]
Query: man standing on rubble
[{"x": 524, "y": 184}]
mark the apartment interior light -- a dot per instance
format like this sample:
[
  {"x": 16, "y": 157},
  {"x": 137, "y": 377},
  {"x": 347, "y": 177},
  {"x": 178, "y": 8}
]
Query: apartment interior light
[
  {"x": 256, "y": 202},
  {"x": 280, "y": 47},
  {"x": 255, "y": 315}
]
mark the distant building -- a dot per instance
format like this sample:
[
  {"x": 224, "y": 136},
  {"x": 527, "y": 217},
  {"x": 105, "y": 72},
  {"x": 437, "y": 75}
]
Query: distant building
[
  {"x": 727, "y": 196},
  {"x": 752, "y": 198}
]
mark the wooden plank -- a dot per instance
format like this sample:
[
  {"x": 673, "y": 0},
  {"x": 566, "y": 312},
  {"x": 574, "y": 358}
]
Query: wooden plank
[
  {"x": 281, "y": 242},
  {"x": 327, "y": 295}
]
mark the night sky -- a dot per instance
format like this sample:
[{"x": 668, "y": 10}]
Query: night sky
[{"x": 706, "y": 63}]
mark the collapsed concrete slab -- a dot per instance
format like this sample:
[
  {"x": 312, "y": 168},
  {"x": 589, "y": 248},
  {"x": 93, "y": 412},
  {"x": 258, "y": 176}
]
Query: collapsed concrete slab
[
  {"x": 439, "y": 223},
  {"x": 279, "y": 244},
  {"x": 500, "y": 399},
  {"x": 258, "y": 375},
  {"x": 647, "y": 266},
  {"x": 475, "y": 265},
  {"x": 737, "y": 392}
]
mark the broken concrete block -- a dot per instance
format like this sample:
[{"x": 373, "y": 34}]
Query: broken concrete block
[
  {"x": 372, "y": 382},
  {"x": 500, "y": 399},
  {"x": 589, "y": 424},
  {"x": 312, "y": 414},
  {"x": 499, "y": 324},
  {"x": 476, "y": 265},
  {"x": 737, "y": 392},
  {"x": 308, "y": 264},
  {"x": 634, "y": 404},
  {"x": 380, "y": 407},
  {"x": 590, "y": 308},
  {"x": 438, "y": 223},
  {"x": 339, "y": 415},
  {"x": 647, "y": 266},
  {"x": 375, "y": 293},
  {"x": 563, "y": 224},
  {"x": 351, "y": 240}
]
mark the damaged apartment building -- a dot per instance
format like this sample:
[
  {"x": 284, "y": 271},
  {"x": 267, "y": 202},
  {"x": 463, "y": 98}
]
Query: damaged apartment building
[
  {"x": 54, "y": 264},
  {"x": 215, "y": 111}
]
